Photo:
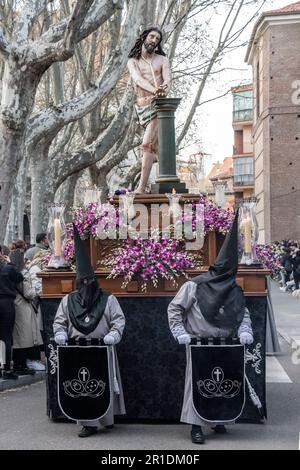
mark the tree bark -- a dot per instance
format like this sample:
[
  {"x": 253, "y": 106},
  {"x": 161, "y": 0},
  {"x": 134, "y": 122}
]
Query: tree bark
[
  {"x": 15, "y": 229},
  {"x": 66, "y": 193},
  {"x": 25, "y": 63},
  {"x": 39, "y": 192},
  {"x": 18, "y": 92}
]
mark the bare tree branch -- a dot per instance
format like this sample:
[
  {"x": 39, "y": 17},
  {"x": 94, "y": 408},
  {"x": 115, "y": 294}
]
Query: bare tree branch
[
  {"x": 45, "y": 52},
  {"x": 25, "y": 20},
  {"x": 78, "y": 15},
  {"x": 102, "y": 9},
  {"x": 215, "y": 98},
  {"x": 129, "y": 176},
  {"x": 64, "y": 166},
  {"x": 224, "y": 38},
  {"x": 119, "y": 150},
  {"x": 4, "y": 45},
  {"x": 178, "y": 30},
  {"x": 51, "y": 121}
]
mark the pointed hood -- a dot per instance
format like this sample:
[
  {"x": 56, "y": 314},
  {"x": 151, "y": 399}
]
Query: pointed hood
[
  {"x": 87, "y": 304},
  {"x": 83, "y": 264},
  {"x": 220, "y": 299},
  {"x": 227, "y": 259}
]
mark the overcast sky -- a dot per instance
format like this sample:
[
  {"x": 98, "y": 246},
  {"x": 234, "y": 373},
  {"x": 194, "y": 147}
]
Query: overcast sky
[{"x": 215, "y": 119}]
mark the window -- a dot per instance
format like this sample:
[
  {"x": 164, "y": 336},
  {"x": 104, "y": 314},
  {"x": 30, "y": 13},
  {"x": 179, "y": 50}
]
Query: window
[
  {"x": 243, "y": 171},
  {"x": 243, "y": 106}
]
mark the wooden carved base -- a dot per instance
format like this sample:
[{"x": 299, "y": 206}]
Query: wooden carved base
[{"x": 57, "y": 284}]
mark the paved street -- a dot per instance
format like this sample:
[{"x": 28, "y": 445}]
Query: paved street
[
  {"x": 24, "y": 424},
  {"x": 287, "y": 314}
]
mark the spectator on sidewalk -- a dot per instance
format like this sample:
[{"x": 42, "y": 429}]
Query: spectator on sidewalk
[
  {"x": 35, "y": 267},
  {"x": 296, "y": 269},
  {"x": 18, "y": 244},
  {"x": 41, "y": 244},
  {"x": 287, "y": 267},
  {"x": 5, "y": 250},
  {"x": 9, "y": 279},
  {"x": 26, "y": 334}
]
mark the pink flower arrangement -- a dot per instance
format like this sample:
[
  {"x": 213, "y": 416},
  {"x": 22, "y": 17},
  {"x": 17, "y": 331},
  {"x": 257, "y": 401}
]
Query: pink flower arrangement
[
  {"x": 215, "y": 218},
  {"x": 268, "y": 257},
  {"x": 156, "y": 257},
  {"x": 88, "y": 218},
  {"x": 69, "y": 253},
  {"x": 150, "y": 259}
]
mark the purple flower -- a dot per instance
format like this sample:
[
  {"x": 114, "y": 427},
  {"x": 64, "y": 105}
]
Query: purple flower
[
  {"x": 151, "y": 259},
  {"x": 215, "y": 218},
  {"x": 121, "y": 191}
]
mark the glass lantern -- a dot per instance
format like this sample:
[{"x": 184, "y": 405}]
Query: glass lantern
[
  {"x": 248, "y": 228},
  {"x": 56, "y": 234},
  {"x": 91, "y": 194},
  {"x": 174, "y": 208},
  {"x": 127, "y": 203},
  {"x": 220, "y": 195}
]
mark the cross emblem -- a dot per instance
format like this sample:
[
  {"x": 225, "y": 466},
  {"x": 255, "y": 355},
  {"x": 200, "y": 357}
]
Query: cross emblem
[
  {"x": 84, "y": 374},
  {"x": 217, "y": 374}
]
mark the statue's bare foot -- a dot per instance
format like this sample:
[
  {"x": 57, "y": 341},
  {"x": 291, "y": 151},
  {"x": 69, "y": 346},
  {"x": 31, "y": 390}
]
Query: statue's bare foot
[{"x": 139, "y": 191}]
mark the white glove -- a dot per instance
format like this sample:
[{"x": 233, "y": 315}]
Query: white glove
[
  {"x": 246, "y": 338},
  {"x": 110, "y": 339},
  {"x": 60, "y": 338},
  {"x": 184, "y": 339}
]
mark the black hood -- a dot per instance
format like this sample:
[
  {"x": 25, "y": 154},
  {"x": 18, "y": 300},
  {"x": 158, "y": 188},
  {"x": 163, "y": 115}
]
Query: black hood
[
  {"x": 87, "y": 304},
  {"x": 220, "y": 299},
  {"x": 84, "y": 268}
]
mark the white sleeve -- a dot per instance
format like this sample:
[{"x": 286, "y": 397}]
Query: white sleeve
[
  {"x": 117, "y": 318},
  {"x": 61, "y": 320},
  {"x": 246, "y": 325},
  {"x": 179, "y": 305}
]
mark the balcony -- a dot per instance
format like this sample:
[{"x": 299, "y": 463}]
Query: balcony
[
  {"x": 243, "y": 171},
  {"x": 242, "y": 115},
  {"x": 242, "y": 106}
]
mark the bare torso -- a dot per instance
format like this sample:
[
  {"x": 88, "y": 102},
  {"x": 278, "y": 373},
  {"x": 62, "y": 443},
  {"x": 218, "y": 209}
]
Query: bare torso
[{"x": 142, "y": 68}]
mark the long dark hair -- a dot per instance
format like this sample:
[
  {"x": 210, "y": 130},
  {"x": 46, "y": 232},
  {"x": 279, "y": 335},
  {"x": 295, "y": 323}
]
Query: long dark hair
[{"x": 136, "y": 51}]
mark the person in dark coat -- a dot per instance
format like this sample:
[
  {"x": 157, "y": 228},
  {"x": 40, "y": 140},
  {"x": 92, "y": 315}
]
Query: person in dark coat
[
  {"x": 9, "y": 279},
  {"x": 296, "y": 269},
  {"x": 287, "y": 265}
]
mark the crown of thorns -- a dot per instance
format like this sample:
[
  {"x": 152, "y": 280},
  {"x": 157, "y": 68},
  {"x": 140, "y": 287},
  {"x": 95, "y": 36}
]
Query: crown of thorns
[{"x": 145, "y": 27}]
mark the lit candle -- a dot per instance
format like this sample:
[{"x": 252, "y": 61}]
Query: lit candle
[
  {"x": 57, "y": 238},
  {"x": 247, "y": 230}
]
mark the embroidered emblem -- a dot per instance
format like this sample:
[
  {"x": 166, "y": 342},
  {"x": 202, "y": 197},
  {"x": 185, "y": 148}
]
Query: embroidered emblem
[
  {"x": 52, "y": 359},
  {"x": 217, "y": 387},
  {"x": 83, "y": 386},
  {"x": 254, "y": 357}
]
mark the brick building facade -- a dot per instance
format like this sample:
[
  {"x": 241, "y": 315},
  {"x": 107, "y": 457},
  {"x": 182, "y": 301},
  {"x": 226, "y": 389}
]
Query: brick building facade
[{"x": 273, "y": 52}]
